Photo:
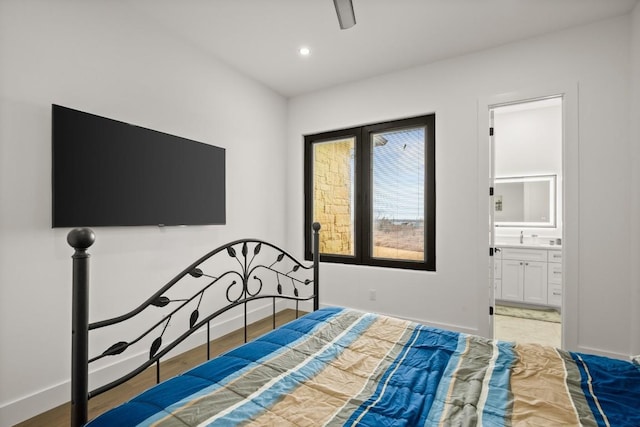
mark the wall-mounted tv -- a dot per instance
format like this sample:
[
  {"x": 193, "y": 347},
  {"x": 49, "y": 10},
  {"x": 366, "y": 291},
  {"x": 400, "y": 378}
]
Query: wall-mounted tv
[{"x": 110, "y": 173}]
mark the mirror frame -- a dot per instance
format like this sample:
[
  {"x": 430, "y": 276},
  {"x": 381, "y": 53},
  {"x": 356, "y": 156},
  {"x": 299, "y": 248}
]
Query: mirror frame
[{"x": 551, "y": 180}]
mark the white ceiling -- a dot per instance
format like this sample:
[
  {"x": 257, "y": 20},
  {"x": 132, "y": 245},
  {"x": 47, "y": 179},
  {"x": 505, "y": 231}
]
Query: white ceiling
[{"x": 261, "y": 38}]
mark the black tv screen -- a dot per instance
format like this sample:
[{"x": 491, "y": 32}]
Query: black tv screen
[{"x": 110, "y": 173}]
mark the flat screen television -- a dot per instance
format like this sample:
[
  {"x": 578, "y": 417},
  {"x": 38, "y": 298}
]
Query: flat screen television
[{"x": 110, "y": 173}]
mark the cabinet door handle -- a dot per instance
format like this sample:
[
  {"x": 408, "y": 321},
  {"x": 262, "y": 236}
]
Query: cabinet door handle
[{"x": 557, "y": 293}]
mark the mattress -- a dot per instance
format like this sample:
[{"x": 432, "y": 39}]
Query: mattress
[{"x": 340, "y": 366}]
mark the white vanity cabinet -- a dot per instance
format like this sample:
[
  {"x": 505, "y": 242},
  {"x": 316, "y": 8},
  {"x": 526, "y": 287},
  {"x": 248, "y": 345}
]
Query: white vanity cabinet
[
  {"x": 524, "y": 275},
  {"x": 512, "y": 280},
  {"x": 535, "y": 282},
  {"x": 554, "y": 278}
]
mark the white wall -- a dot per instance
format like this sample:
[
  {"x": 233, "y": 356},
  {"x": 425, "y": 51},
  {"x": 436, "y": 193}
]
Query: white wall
[
  {"x": 635, "y": 182},
  {"x": 100, "y": 57},
  {"x": 597, "y": 58}
]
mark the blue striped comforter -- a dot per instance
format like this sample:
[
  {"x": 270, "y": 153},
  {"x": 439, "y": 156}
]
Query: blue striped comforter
[{"x": 344, "y": 367}]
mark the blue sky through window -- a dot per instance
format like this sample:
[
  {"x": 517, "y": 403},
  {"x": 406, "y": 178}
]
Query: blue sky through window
[{"x": 398, "y": 175}]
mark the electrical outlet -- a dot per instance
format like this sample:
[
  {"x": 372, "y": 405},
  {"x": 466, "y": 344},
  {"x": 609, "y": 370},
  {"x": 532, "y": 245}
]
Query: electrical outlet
[{"x": 372, "y": 295}]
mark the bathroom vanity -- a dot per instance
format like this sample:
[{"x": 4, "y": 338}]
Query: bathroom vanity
[
  {"x": 526, "y": 270},
  {"x": 530, "y": 274}
]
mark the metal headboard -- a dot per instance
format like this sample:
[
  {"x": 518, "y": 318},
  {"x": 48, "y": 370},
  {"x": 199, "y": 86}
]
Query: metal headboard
[{"x": 244, "y": 283}]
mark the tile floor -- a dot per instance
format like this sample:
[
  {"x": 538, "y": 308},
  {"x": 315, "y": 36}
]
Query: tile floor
[{"x": 509, "y": 328}]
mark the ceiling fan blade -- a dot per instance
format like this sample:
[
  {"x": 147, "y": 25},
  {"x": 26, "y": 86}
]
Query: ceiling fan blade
[{"x": 346, "y": 15}]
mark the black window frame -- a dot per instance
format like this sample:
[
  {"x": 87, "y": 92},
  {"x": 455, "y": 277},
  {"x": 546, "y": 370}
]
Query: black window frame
[{"x": 363, "y": 221}]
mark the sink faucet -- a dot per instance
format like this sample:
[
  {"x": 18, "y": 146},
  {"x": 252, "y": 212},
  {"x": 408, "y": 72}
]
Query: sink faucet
[{"x": 521, "y": 237}]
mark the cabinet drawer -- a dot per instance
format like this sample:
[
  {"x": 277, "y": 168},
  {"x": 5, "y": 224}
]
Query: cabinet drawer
[
  {"x": 554, "y": 295},
  {"x": 554, "y": 273},
  {"x": 555, "y": 256},
  {"x": 525, "y": 254}
]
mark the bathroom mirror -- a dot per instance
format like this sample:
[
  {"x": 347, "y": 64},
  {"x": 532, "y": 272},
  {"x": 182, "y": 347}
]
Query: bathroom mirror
[{"x": 527, "y": 201}]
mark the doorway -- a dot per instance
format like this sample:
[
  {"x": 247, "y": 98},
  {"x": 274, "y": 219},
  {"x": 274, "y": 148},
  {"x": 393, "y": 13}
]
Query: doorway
[{"x": 527, "y": 220}]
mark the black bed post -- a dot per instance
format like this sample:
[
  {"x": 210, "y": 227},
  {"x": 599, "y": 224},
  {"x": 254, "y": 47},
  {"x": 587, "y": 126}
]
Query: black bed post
[
  {"x": 316, "y": 265},
  {"x": 80, "y": 239}
]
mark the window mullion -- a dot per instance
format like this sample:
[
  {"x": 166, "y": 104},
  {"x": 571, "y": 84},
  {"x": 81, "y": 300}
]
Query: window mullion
[{"x": 364, "y": 201}]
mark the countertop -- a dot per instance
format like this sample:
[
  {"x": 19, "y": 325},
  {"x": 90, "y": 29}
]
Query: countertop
[{"x": 528, "y": 246}]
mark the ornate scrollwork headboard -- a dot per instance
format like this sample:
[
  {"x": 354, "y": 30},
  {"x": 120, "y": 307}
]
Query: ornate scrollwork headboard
[{"x": 251, "y": 270}]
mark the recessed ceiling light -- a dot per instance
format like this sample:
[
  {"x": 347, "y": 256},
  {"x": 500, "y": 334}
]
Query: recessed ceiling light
[{"x": 304, "y": 51}]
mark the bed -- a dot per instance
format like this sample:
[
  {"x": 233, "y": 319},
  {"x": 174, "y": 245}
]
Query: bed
[{"x": 339, "y": 366}]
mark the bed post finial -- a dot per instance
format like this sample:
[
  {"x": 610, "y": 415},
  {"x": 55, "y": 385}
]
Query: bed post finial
[
  {"x": 80, "y": 239},
  {"x": 316, "y": 265}
]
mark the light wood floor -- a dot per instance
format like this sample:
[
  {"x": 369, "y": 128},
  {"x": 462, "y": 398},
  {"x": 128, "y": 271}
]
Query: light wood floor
[{"x": 60, "y": 416}]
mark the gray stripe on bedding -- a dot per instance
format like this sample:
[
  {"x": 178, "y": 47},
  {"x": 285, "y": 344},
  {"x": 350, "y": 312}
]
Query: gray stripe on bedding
[{"x": 460, "y": 409}]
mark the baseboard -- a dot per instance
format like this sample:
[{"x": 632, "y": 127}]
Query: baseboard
[
  {"x": 55, "y": 395},
  {"x": 29, "y": 406},
  {"x": 441, "y": 325},
  {"x": 600, "y": 352}
]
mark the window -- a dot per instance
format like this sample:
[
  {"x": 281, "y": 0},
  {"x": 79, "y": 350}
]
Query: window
[{"x": 372, "y": 188}]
